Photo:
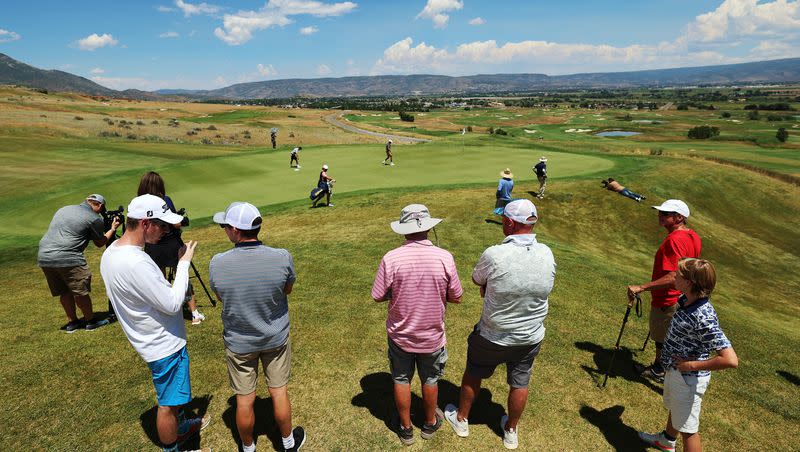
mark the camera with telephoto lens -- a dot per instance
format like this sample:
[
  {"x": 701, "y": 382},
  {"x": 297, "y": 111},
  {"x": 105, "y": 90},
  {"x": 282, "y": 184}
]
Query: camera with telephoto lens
[
  {"x": 182, "y": 212},
  {"x": 108, "y": 220}
]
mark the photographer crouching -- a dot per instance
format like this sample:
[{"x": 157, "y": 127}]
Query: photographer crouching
[{"x": 62, "y": 261}]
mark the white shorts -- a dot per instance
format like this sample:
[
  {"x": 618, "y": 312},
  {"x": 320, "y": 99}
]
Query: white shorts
[{"x": 683, "y": 396}]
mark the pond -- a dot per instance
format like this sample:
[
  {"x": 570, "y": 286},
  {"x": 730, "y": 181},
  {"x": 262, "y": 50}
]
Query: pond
[{"x": 617, "y": 133}]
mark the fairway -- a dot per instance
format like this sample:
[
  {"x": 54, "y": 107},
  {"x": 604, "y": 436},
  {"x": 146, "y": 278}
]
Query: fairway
[{"x": 749, "y": 220}]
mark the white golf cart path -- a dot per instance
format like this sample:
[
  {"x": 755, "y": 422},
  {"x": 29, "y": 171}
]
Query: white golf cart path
[{"x": 334, "y": 120}]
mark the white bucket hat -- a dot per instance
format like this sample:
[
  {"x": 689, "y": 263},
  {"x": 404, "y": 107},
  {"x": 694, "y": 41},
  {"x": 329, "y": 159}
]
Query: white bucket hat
[{"x": 414, "y": 218}]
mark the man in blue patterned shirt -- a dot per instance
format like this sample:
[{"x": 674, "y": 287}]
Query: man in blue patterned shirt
[{"x": 693, "y": 334}]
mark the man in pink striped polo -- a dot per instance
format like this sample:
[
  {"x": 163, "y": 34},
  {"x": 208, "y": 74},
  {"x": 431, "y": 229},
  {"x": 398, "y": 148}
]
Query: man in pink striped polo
[{"x": 417, "y": 279}]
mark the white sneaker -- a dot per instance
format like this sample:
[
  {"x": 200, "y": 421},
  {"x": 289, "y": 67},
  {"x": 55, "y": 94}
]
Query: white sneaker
[
  {"x": 197, "y": 319},
  {"x": 658, "y": 440},
  {"x": 509, "y": 436},
  {"x": 391, "y": 164},
  {"x": 451, "y": 415},
  {"x": 298, "y": 166}
]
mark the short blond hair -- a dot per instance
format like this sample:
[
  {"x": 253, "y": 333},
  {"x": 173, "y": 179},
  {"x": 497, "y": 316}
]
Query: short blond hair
[{"x": 700, "y": 273}]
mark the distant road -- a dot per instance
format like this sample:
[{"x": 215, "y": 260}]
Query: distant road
[{"x": 334, "y": 119}]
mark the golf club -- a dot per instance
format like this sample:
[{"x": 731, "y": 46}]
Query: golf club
[{"x": 621, "y": 330}]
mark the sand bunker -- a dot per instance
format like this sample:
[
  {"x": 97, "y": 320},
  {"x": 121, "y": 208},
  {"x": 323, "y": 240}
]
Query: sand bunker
[
  {"x": 577, "y": 130},
  {"x": 533, "y": 131}
]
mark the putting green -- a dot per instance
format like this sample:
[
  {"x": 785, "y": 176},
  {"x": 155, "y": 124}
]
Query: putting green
[{"x": 206, "y": 186}]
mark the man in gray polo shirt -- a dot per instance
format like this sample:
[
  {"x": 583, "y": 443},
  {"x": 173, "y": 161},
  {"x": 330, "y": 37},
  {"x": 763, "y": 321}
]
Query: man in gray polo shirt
[
  {"x": 515, "y": 280},
  {"x": 62, "y": 261},
  {"x": 253, "y": 280}
]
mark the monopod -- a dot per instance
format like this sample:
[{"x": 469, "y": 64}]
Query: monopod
[{"x": 621, "y": 330}]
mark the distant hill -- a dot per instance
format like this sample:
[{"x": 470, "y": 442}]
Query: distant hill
[
  {"x": 775, "y": 71},
  {"x": 13, "y": 72}
]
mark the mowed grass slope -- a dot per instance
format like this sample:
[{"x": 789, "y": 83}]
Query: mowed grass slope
[{"x": 58, "y": 387}]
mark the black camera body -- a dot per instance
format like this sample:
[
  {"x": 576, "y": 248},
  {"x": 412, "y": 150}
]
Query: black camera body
[
  {"x": 182, "y": 212},
  {"x": 108, "y": 220}
]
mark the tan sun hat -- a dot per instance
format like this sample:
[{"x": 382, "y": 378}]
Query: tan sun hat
[{"x": 507, "y": 174}]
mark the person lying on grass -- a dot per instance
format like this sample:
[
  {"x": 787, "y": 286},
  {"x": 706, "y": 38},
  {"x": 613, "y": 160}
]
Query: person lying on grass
[
  {"x": 613, "y": 185},
  {"x": 693, "y": 334}
]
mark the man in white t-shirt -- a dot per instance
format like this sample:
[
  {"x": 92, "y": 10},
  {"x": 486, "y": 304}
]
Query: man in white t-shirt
[{"x": 149, "y": 312}]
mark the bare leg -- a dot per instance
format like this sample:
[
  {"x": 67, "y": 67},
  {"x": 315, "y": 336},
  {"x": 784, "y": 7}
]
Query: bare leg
[
  {"x": 430, "y": 395},
  {"x": 85, "y": 305},
  {"x": 245, "y": 417},
  {"x": 402, "y": 399},
  {"x": 192, "y": 304},
  {"x": 282, "y": 409},
  {"x": 469, "y": 390},
  {"x": 691, "y": 442},
  {"x": 517, "y": 398},
  {"x": 167, "y": 424},
  {"x": 68, "y": 303},
  {"x": 670, "y": 429}
]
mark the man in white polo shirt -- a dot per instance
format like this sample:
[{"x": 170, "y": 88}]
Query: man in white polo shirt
[
  {"x": 149, "y": 311},
  {"x": 515, "y": 280}
]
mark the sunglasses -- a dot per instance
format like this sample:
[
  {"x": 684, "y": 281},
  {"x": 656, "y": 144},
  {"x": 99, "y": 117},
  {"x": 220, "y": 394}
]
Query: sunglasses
[
  {"x": 160, "y": 224},
  {"x": 665, "y": 214}
]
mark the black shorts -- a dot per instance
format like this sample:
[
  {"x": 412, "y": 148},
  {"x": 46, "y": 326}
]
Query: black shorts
[{"x": 483, "y": 356}]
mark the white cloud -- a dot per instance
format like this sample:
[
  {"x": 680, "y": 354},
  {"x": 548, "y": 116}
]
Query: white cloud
[
  {"x": 537, "y": 56},
  {"x": 220, "y": 82},
  {"x": 239, "y": 28},
  {"x": 169, "y": 34},
  {"x": 266, "y": 71},
  {"x": 323, "y": 69},
  {"x": 122, "y": 83},
  {"x": 196, "y": 9},
  {"x": 95, "y": 41},
  {"x": 735, "y": 19},
  {"x": 8, "y": 36},
  {"x": 308, "y": 30},
  {"x": 436, "y": 9},
  {"x": 477, "y": 21},
  {"x": 97, "y": 70},
  {"x": 775, "y": 49},
  {"x": 165, "y": 9}
]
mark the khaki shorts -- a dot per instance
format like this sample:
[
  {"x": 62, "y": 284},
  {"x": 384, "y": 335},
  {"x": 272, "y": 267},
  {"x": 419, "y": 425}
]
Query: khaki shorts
[
  {"x": 660, "y": 319},
  {"x": 68, "y": 280},
  {"x": 243, "y": 368}
]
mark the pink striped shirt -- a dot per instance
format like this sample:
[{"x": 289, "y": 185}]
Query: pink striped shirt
[{"x": 419, "y": 278}]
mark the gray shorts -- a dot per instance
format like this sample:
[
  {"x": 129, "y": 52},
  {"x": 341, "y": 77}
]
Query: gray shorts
[
  {"x": 429, "y": 365},
  {"x": 483, "y": 356}
]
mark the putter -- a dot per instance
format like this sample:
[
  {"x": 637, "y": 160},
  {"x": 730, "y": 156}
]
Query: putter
[{"x": 619, "y": 337}]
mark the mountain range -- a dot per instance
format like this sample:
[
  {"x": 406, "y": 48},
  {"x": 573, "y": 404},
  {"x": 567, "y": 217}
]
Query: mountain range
[{"x": 782, "y": 71}]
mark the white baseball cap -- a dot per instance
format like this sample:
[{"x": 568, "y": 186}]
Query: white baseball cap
[
  {"x": 151, "y": 207},
  {"x": 240, "y": 215},
  {"x": 520, "y": 210},
  {"x": 324, "y": 167},
  {"x": 674, "y": 205}
]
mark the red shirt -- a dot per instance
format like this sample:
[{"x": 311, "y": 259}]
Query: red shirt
[{"x": 678, "y": 244}]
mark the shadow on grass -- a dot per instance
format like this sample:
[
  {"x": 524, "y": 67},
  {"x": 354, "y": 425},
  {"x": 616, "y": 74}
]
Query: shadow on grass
[
  {"x": 196, "y": 408},
  {"x": 377, "y": 396},
  {"x": 609, "y": 421},
  {"x": 790, "y": 377},
  {"x": 493, "y": 221},
  {"x": 623, "y": 365},
  {"x": 264, "y": 425}
]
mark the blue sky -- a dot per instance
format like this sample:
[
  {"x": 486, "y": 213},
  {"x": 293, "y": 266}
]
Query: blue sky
[{"x": 205, "y": 45}]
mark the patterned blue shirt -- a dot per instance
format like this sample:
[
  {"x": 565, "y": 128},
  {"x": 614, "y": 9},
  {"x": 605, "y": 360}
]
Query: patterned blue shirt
[{"x": 693, "y": 334}]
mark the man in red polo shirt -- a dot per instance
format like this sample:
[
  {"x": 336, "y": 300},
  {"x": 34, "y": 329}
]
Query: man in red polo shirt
[{"x": 680, "y": 242}]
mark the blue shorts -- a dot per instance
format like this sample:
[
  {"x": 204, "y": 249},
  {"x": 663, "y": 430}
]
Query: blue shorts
[{"x": 171, "y": 379}]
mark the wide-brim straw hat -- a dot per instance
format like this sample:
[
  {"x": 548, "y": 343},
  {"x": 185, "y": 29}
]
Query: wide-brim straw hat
[
  {"x": 414, "y": 218},
  {"x": 507, "y": 174}
]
